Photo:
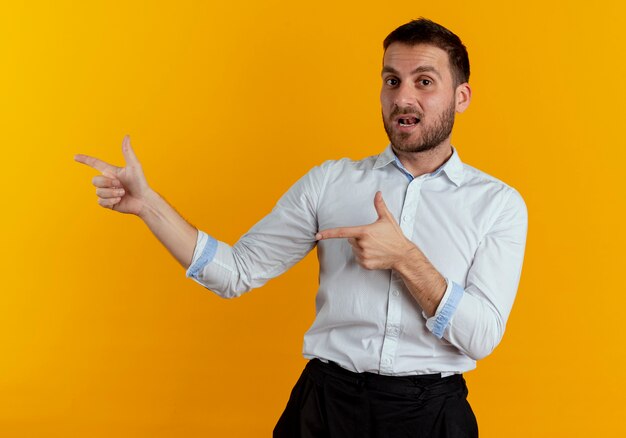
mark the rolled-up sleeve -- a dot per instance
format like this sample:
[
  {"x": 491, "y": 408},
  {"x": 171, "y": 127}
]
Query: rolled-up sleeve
[
  {"x": 206, "y": 247},
  {"x": 446, "y": 309}
]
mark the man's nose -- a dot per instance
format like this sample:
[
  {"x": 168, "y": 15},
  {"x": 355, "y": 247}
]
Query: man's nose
[{"x": 405, "y": 95}]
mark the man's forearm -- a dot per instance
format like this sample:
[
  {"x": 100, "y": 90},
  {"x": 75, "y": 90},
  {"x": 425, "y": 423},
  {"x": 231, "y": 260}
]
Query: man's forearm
[
  {"x": 172, "y": 230},
  {"x": 421, "y": 278}
]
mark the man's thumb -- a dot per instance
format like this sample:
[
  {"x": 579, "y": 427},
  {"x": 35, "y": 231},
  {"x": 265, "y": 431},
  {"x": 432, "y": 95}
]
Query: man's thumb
[
  {"x": 381, "y": 207},
  {"x": 129, "y": 153}
]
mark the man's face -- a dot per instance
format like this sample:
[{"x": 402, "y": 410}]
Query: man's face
[{"x": 417, "y": 97}]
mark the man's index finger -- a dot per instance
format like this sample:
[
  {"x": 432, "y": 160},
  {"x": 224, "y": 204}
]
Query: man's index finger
[
  {"x": 94, "y": 162},
  {"x": 339, "y": 233}
]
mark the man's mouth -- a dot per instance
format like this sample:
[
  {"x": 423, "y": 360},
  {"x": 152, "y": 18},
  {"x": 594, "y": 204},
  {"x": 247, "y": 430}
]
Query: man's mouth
[{"x": 408, "y": 121}]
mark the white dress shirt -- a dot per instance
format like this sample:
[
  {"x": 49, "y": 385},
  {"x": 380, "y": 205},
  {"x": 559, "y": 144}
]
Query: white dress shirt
[{"x": 471, "y": 226}]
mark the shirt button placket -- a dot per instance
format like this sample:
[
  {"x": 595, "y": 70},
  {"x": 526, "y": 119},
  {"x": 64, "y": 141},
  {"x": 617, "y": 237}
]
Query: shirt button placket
[
  {"x": 392, "y": 331},
  {"x": 409, "y": 209},
  {"x": 394, "y": 308}
]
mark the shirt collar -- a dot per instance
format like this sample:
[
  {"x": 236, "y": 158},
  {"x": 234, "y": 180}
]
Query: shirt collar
[{"x": 453, "y": 168}]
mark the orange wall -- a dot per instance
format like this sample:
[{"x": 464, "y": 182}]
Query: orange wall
[{"x": 228, "y": 103}]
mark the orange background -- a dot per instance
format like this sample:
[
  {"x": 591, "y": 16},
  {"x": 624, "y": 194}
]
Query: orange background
[{"x": 227, "y": 104}]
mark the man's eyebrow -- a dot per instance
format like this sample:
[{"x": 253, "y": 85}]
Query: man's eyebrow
[{"x": 420, "y": 69}]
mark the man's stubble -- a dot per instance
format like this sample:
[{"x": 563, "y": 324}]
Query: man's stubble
[{"x": 431, "y": 136}]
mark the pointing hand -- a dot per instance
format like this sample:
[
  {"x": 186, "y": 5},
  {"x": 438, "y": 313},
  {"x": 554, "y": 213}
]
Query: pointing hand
[
  {"x": 380, "y": 245},
  {"x": 121, "y": 189}
]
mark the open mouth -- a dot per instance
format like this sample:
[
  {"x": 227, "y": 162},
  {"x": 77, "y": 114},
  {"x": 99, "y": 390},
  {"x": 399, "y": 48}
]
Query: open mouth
[{"x": 408, "y": 121}]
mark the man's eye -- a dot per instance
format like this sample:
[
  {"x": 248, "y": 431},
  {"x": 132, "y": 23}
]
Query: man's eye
[
  {"x": 425, "y": 81},
  {"x": 391, "y": 81}
]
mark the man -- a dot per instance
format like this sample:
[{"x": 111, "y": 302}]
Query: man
[{"x": 413, "y": 289}]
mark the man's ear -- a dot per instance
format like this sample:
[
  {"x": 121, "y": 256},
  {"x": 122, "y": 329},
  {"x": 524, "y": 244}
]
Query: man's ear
[{"x": 462, "y": 96}]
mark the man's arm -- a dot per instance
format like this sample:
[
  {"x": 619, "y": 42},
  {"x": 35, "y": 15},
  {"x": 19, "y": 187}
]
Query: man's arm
[
  {"x": 471, "y": 318},
  {"x": 125, "y": 190},
  {"x": 486, "y": 298},
  {"x": 269, "y": 248}
]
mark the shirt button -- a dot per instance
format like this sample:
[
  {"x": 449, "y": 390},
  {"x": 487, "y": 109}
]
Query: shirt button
[
  {"x": 395, "y": 293},
  {"x": 386, "y": 361}
]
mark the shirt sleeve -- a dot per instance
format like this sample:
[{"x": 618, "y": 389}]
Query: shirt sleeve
[
  {"x": 268, "y": 249},
  {"x": 473, "y": 318},
  {"x": 444, "y": 312},
  {"x": 204, "y": 252}
]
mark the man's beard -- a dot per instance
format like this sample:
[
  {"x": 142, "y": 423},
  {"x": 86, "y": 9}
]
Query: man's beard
[{"x": 431, "y": 136}]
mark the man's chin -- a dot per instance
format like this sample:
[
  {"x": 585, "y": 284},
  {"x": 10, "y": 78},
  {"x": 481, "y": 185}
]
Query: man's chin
[
  {"x": 404, "y": 142},
  {"x": 412, "y": 147}
]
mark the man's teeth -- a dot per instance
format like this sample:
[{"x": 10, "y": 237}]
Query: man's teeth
[{"x": 408, "y": 122}]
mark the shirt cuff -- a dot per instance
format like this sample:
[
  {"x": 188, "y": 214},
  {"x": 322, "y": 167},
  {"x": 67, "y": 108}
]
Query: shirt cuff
[
  {"x": 450, "y": 301},
  {"x": 203, "y": 254}
]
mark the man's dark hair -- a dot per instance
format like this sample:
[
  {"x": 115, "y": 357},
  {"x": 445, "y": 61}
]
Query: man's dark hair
[{"x": 424, "y": 31}]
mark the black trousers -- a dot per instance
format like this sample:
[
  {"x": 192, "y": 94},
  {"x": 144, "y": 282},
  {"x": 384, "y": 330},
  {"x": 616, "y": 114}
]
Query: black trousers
[{"x": 331, "y": 402}]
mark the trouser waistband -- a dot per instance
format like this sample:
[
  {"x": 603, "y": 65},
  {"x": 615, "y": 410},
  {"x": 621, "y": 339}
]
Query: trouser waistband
[{"x": 430, "y": 385}]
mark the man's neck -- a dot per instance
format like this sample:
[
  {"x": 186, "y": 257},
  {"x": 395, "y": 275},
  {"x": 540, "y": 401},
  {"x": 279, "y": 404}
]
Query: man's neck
[{"x": 420, "y": 163}]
